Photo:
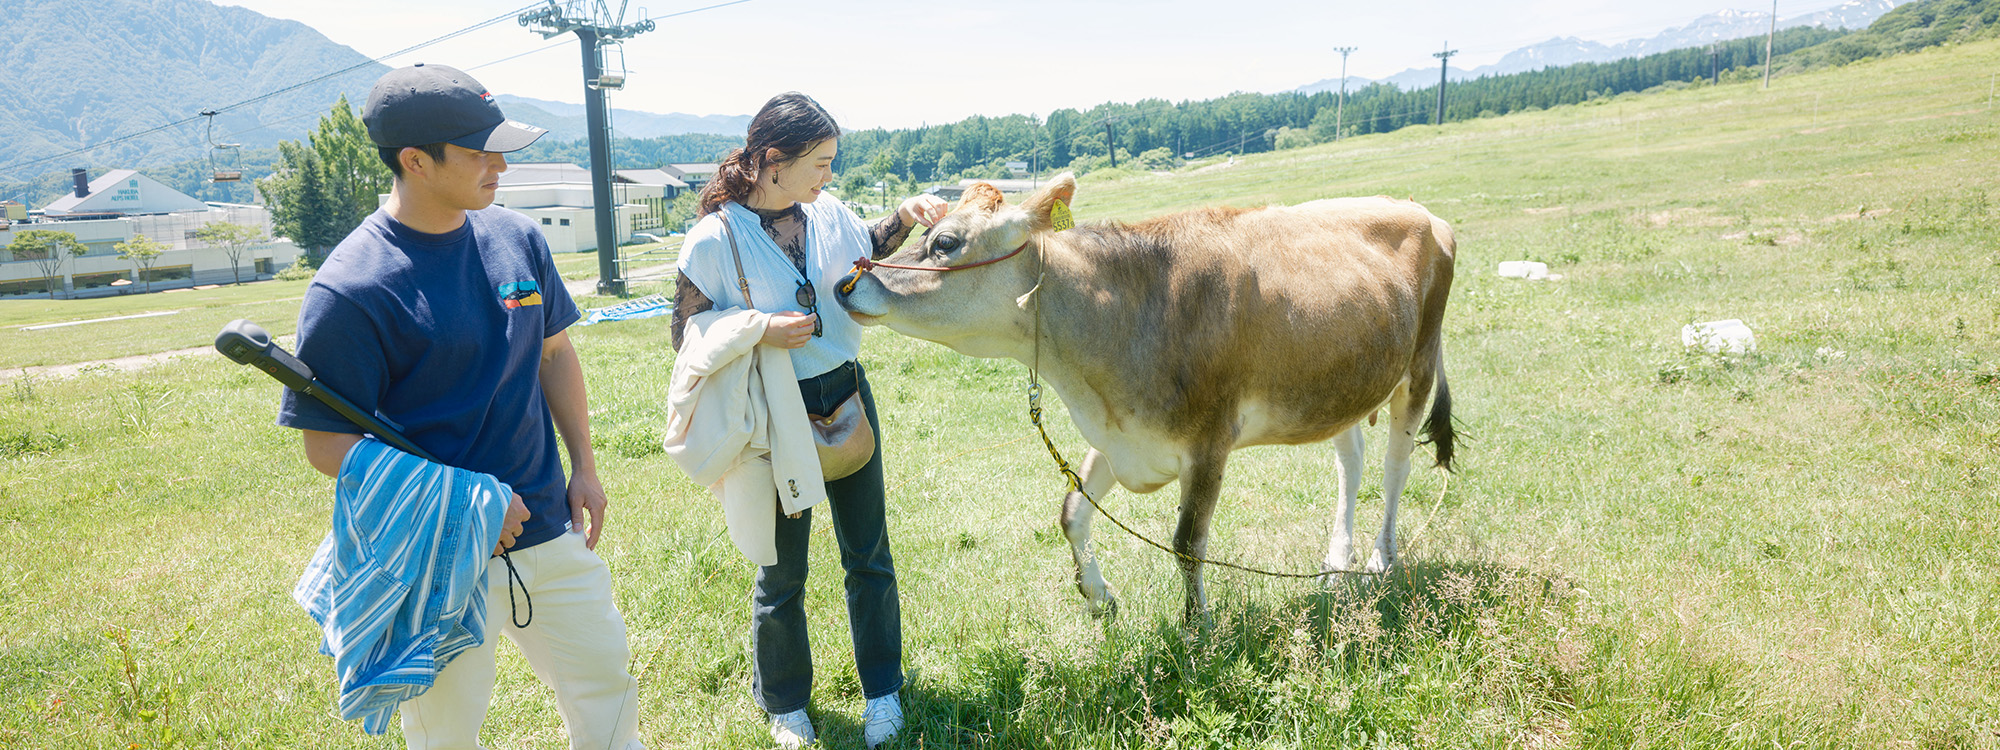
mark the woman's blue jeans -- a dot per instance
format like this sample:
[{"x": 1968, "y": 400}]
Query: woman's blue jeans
[{"x": 782, "y": 668}]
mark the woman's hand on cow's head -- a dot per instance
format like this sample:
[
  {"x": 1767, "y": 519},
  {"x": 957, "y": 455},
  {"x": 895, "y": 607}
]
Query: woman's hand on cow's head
[{"x": 923, "y": 209}]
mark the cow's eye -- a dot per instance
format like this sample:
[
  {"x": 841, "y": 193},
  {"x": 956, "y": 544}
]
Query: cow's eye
[{"x": 945, "y": 243}]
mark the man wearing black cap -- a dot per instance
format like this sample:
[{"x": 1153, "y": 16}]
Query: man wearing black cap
[{"x": 447, "y": 317}]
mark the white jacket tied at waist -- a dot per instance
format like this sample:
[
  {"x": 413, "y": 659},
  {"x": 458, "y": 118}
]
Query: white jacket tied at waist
[{"x": 727, "y": 393}]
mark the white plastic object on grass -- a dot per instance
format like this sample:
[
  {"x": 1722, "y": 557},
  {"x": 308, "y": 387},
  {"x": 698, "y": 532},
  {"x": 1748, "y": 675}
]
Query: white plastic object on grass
[
  {"x": 1720, "y": 337},
  {"x": 1524, "y": 269}
]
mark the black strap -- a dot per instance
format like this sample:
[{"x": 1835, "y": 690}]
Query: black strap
[{"x": 514, "y": 576}]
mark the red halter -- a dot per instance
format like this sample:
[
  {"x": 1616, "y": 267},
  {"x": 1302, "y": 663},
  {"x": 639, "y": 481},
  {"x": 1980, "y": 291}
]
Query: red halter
[{"x": 864, "y": 265}]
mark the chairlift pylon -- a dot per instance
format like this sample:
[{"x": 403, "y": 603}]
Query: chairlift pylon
[{"x": 217, "y": 170}]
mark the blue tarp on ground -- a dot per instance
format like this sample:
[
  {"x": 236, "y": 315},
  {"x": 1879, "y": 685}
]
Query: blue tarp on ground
[{"x": 649, "y": 306}]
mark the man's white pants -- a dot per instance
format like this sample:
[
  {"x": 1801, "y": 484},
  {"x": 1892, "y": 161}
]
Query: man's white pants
[{"x": 576, "y": 644}]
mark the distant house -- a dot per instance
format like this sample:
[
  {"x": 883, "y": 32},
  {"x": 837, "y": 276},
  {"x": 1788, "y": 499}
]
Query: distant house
[
  {"x": 116, "y": 207},
  {"x": 670, "y": 186},
  {"x": 695, "y": 175}
]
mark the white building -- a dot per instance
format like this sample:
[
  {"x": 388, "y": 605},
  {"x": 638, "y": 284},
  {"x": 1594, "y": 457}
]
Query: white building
[
  {"x": 695, "y": 175},
  {"x": 667, "y": 185},
  {"x": 120, "y": 205},
  {"x": 558, "y": 196}
]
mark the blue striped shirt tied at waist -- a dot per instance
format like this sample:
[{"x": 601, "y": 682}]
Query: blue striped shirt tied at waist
[{"x": 398, "y": 586}]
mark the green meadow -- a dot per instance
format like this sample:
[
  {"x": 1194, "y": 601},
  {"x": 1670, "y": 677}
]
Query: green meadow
[{"x": 1642, "y": 546}]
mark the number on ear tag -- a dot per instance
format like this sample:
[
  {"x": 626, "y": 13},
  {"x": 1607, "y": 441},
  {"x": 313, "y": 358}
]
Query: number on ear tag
[{"x": 1059, "y": 218}]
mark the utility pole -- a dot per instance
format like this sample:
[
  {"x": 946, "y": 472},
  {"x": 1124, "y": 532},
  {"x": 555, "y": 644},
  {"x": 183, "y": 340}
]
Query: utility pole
[
  {"x": 1768, "y": 36},
  {"x": 1111, "y": 145},
  {"x": 1444, "y": 66},
  {"x": 1714, "y": 63},
  {"x": 1340, "y": 109},
  {"x": 593, "y": 35}
]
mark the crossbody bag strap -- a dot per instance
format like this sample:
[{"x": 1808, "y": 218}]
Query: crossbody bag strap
[{"x": 742, "y": 281}]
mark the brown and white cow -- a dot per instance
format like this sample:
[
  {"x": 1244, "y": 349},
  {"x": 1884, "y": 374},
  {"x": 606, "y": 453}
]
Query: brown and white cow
[{"x": 1176, "y": 340}]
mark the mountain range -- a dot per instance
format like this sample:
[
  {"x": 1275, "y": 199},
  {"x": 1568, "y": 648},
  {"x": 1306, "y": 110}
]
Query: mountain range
[
  {"x": 108, "y": 69},
  {"x": 1561, "y": 51}
]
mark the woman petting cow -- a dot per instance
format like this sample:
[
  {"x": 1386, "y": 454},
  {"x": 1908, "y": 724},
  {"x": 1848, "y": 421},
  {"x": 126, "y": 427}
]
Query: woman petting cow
[{"x": 757, "y": 272}]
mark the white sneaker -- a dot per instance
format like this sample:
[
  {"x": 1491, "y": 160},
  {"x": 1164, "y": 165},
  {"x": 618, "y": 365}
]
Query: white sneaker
[
  {"x": 882, "y": 719},
  {"x": 793, "y": 730}
]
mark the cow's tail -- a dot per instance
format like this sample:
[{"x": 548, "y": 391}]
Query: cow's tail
[{"x": 1437, "y": 427}]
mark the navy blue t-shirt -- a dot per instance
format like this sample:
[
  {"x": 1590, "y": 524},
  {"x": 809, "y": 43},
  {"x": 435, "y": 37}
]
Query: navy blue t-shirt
[{"x": 442, "y": 334}]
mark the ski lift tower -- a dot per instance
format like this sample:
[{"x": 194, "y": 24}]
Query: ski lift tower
[{"x": 597, "y": 28}]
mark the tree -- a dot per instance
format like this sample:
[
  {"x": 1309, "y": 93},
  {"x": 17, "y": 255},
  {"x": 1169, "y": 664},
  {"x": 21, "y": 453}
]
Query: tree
[
  {"x": 143, "y": 252},
  {"x": 49, "y": 249},
  {"x": 1292, "y": 138},
  {"x": 234, "y": 239},
  {"x": 354, "y": 172},
  {"x": 301, "y": 209},
  {"x": 1324, "y": 124},
  {"x": 1158, "y": 159},
  {"x": 323, "y": 189}
]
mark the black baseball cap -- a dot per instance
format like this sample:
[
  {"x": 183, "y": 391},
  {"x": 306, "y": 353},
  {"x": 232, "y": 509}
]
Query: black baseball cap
[{"x": 425, "y": 104}]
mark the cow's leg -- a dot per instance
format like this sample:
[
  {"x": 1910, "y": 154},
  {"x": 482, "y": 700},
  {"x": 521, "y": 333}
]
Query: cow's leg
[
  {"x": 1405, "y": 412},
  {"x": 1348, "y": 447},
  {"x": 1201, "y": 484},
  {"x": 1076, "y": 516}
]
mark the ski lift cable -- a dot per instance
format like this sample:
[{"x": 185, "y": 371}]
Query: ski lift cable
[
  {"x": 315, "y": 113},
  {"x": 698, "y": 10},
  {"x": 565, "y": 40}
]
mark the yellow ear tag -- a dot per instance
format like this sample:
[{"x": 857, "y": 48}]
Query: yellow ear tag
[{"x": 1059, "y": 218}]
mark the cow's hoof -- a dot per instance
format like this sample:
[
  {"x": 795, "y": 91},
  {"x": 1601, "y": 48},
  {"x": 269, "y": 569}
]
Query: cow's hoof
[
  {"x": 1103, "y": 606},
  {"x": 1106, "y": 610},
  {"x": 1379, "y": 563},
  {"x": 1102, "y": 602}
]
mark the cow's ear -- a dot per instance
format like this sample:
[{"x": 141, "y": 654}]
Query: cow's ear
[
  {"x": 1042, "y": 204},
  {"x": 982, "y": 197}
]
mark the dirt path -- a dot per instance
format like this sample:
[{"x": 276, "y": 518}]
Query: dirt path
[
  {"x": 133, "y": 363},
  {"x": 121, "y": 364}
]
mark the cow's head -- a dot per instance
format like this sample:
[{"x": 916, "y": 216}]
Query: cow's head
[{"x": 976, "y": 311}]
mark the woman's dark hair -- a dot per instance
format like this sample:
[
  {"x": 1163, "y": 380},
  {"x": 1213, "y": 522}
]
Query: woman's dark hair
[{"x": 790, "y": 122}]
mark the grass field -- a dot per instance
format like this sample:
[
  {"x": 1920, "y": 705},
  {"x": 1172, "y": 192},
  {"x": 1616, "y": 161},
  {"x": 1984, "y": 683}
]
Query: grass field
[{"x": 1642, "y": 547}]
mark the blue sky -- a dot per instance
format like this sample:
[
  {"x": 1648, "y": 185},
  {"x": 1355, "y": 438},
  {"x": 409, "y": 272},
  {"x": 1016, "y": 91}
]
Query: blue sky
[{"x": 898, "y": 63}]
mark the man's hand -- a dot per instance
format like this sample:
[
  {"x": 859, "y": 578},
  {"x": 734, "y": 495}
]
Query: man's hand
[
  {"x": 517, "y": 514},
  {"x": 586, "y": 498}
]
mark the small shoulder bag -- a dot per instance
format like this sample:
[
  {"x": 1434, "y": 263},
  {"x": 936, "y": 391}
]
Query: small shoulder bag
[{"x": 845, "y": 440}]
